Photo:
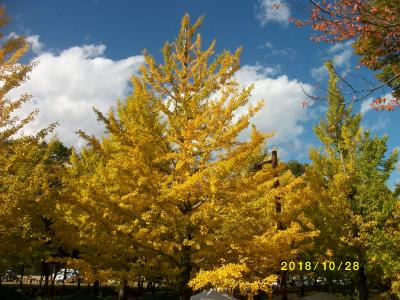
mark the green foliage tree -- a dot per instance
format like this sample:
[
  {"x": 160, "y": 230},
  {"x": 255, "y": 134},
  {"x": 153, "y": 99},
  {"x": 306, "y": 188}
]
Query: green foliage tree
[
  {"x": 297, "y": 168},
  {"x": 348, "y": 182}
]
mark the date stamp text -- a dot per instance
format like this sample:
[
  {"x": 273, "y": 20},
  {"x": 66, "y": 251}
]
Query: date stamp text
[{"x": 326, "y": 266}]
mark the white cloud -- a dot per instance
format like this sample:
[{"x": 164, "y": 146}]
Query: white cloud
[
  {"x": 272, "y": 51},
  {"x": 366, "y": 105},
  {"x": 340, "y": 54},
  {"x": 268, "y": 45},
  {"x": 273, "y": 11},
  {"x": 340, "y": 47},
  {"x": 380, "y": 123},
  {"x": 36, "y": 45},
  {"x": 249, "y": 74},
  {"x": 283, "y": 112},
  {"x": 67, "y": 85},
  {"x": 318, "y": 73}
]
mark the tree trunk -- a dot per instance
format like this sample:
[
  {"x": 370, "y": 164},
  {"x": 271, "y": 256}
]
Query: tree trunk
[
  {"x": 184, "y": 289},
  {"x": 141, "y": 284},
  {"x": 22, "y": 275},
  {"x": 96, "y": 285},
  {"x": 64, "y": 278},
  {"x": 279, "y": 224},
  {"x": 123, "y": 291},
  {"x": 41, "y": 273},
  {"x": 362, "y": 284},
  {"x": 53, "y": 273},
  {"x": 46, "y": 277},
  {"x": 284, "y": 286},
  {"x": 78, "y": 279}
]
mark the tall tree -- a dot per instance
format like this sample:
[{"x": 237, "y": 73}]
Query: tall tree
[
  {"x": 12, "y": 74},
  {"x": 159, "y": 182},
  {"x": 347, "y": 180},
  {"x": 171, "y": 184},
  {"x": 24, "y": 189}
]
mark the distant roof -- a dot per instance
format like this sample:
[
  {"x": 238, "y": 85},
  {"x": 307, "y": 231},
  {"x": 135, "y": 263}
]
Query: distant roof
[{"x": 212, "y": 295}]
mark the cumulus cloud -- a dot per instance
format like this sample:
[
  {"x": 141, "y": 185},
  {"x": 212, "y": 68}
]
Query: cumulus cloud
[
  {"x": 66, "y": 86},
  {"x": 249, "y": 74},
  {"x": 36, "y": 45},
  {"x": 283, "y": 112},
  {"x": 273, "y": 11},
  {"x": 340, "y": 54},
  {"x": 366, "y": 105}
]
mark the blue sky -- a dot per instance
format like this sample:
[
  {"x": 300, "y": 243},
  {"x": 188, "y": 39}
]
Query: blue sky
[{"x": 88, "y": 49}]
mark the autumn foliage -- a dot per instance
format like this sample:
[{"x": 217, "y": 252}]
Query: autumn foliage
[
  {"x": 172, "y": 194},
  {"x": 375, "y": 28}
]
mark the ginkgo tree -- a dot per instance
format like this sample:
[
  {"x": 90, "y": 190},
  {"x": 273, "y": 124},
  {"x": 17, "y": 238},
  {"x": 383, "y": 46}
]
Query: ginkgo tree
[
  {"x": 25, "y": 179},
  {"x": 258, "y": 237},
  {"x": 12, "y": 74},
  {"x": 347, "y": 182},
  {"x": 152, "y": 196}
]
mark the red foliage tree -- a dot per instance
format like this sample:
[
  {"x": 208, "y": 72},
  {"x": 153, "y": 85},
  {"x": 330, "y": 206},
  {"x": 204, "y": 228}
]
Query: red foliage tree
[{"x": 375, "y": 27}]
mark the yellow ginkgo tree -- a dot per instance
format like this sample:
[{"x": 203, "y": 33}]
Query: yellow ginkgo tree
[
  {"x": 155, "y": 196},
  {"x": 25, "y": 180},
  {"x": 263, "y": 228}
]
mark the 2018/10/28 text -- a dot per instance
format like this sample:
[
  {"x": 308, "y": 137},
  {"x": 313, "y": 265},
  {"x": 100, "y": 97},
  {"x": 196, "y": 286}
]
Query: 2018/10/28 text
[{"x": 326, "y": 266}]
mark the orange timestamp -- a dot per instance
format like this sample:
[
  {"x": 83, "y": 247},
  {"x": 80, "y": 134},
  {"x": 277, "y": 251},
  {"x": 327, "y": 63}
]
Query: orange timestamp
[{"x": 326, "y": 266}]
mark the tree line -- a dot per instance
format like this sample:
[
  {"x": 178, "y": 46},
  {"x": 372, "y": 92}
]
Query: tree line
[{"x": 169, "y": 193}]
